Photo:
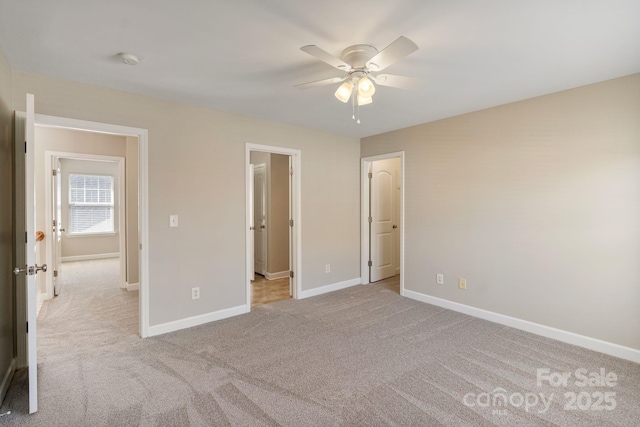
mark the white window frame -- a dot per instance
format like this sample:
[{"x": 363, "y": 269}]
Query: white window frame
[{"x": 112, "y": 205}]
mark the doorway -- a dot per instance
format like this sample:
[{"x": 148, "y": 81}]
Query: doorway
[
  {"x": 133, "y": 271},
  {"x": 24, "y": 225},
  {"x": 89, "y": 208},
  {"x": 382, "y": 208},
  {"x": 273, "y": 224}
]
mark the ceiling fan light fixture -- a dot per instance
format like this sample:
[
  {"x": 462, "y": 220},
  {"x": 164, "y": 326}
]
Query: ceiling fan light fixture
[
  {"x": 366, "y": 89},
  {"x": 363, "y": 100},
  {"x": 344, "y": 92}
]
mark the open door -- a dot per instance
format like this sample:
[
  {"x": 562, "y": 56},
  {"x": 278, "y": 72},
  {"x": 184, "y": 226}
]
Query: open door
[
  {"x": 56, "y": 210},
  {"x": 260, "y": 217},
  {"x": 252, "y": 224},
  {"x": 27, "y": 268},
  {"x": 384, "y": 222}
]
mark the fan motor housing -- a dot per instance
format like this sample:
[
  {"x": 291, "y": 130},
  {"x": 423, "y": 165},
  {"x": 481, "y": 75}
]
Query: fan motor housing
[{"x": 358, "y": 55}]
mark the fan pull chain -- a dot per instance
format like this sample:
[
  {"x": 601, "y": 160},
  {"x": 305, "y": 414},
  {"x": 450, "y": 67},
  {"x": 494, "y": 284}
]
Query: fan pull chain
[
  {"x": 353, "y": 107},
  {"x": 355, "y": 113}
]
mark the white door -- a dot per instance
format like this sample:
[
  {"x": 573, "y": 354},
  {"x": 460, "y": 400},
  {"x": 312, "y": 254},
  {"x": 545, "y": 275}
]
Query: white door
[
  {"x": 260, "y": 217},
  {"x": 56, "y": 210},
  {"x": 26, "y": 247},
  {"x": 252, "y": 226},
  {"x": 384, "y": 218}
]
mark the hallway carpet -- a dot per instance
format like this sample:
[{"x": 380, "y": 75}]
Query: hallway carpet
[{"x": 362, "y": 356}]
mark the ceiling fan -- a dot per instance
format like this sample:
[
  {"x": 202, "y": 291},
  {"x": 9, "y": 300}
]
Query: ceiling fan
[{"x": 362, "y": 63}]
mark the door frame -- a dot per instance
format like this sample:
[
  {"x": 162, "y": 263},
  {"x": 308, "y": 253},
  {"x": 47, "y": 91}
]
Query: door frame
[
  {"x": 295, "y": 192},
  {"x": 365, "y": 162},
  {"x": 143, "y": 194},
  {"x": 48, "y": 161}
]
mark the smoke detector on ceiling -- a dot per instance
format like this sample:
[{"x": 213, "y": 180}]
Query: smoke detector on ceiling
[{"x": 128, "y": 58}]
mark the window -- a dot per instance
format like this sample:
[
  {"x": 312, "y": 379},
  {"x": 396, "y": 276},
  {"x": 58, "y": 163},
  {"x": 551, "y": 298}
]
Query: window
[{"x": 90, "y": 204}]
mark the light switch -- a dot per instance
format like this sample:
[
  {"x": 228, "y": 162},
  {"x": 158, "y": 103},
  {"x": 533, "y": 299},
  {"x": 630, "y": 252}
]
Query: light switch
[{"x": 173, "y": 220}]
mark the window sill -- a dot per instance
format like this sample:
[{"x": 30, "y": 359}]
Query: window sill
[{"x": 80, "y": 235}]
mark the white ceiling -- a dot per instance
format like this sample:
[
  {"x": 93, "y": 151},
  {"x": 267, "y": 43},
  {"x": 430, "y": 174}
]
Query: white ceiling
[{"x": 244, "y": 56}]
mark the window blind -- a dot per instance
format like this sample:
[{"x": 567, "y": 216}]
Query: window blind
[{"x": 91, "y": 204}]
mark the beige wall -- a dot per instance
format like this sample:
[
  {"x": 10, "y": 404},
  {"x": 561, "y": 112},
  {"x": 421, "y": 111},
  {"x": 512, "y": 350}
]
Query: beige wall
[
  {"x": 536, "y": 204},
  {"x": 74, "y": 246},
  {"x": 278, "y": 231},
  {"x": 190, "y": 145},
  {"x": 6, "y": 221}
]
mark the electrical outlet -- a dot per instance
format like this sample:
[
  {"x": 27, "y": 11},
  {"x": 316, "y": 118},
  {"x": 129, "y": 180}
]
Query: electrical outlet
[
  {"x": 173, "y": 220},
  {"x": 195, "y": 293},
  {"x": 462, "y": 284},
  {"x": 327, "y": 268},
  {"x": 440, "y": 279}
]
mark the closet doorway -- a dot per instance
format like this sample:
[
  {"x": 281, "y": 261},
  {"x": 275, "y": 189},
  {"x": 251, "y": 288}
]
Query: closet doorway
[
  {"x": 272, "y": 247},
  {"x": 382, "y": 207}
]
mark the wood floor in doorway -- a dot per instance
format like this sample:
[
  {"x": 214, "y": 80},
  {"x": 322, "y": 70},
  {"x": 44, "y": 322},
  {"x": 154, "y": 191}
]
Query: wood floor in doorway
[
  {"x": 265, "y": 291},
  {"x": 392, "y": 283}
]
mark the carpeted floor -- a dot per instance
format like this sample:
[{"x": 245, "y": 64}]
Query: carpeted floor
[{"x": 363, "y": 356}]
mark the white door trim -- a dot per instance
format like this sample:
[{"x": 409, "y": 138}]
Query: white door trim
[
  {"x": 296, "y": 191},
  {"x": 364, "y": 210},
  {"x": 143, "y": 194},
  {"x": 48, "y": 159}
]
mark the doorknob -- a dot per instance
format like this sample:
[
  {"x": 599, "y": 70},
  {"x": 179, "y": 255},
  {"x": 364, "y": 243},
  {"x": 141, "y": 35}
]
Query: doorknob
[
  {"x": 395, "y": 226},
  {"x": 252, "y": 228},
  {"x": 19, "y": 270},
  {"x": 30, "y": 271},
  {"x": 262, "y": 226}
]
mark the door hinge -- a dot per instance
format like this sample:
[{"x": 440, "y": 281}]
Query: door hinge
[
  {"x": 26, "y": 238},
  {"x": 370, "y": 175},
  {"x": 54, "y": 222},
  {"x": 370, "y": 219},
  {"x": 370, "y": 264},
  {"x": 25, "y": 146},
  {"x": 55, "y": 273},
  {"x": 290, "y": 223},
  {"x": 291, "y": 274},
  {"x": 54, "y": 172},
  {"x": 140, "y": 246},
  {"x": 291, "y": 171},
  {"x": 27, "y": 327}
]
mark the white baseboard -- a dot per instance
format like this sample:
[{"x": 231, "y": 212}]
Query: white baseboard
[
  {"x": 89, "y": 257},
  {"x": 278, "y": 275},
  {"x": 329, "y": 288},
  {"x": 595, "y": 344},
  {"x": 6, "y": 379},
  {"x": 132, "y": 286},
  {"x": 190, "y": 322}
]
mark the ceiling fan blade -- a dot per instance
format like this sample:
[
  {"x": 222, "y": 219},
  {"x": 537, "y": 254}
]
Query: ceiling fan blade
[
  {"x": 392, "y": 80},
  {"x": 321, "y": 82},
  {"x": 326, "y": 57},
  {"x": 397, "y": 50}
]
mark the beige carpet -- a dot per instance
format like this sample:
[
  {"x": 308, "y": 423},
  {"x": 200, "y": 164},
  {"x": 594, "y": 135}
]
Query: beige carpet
[{"x": 363, "y": 356}]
